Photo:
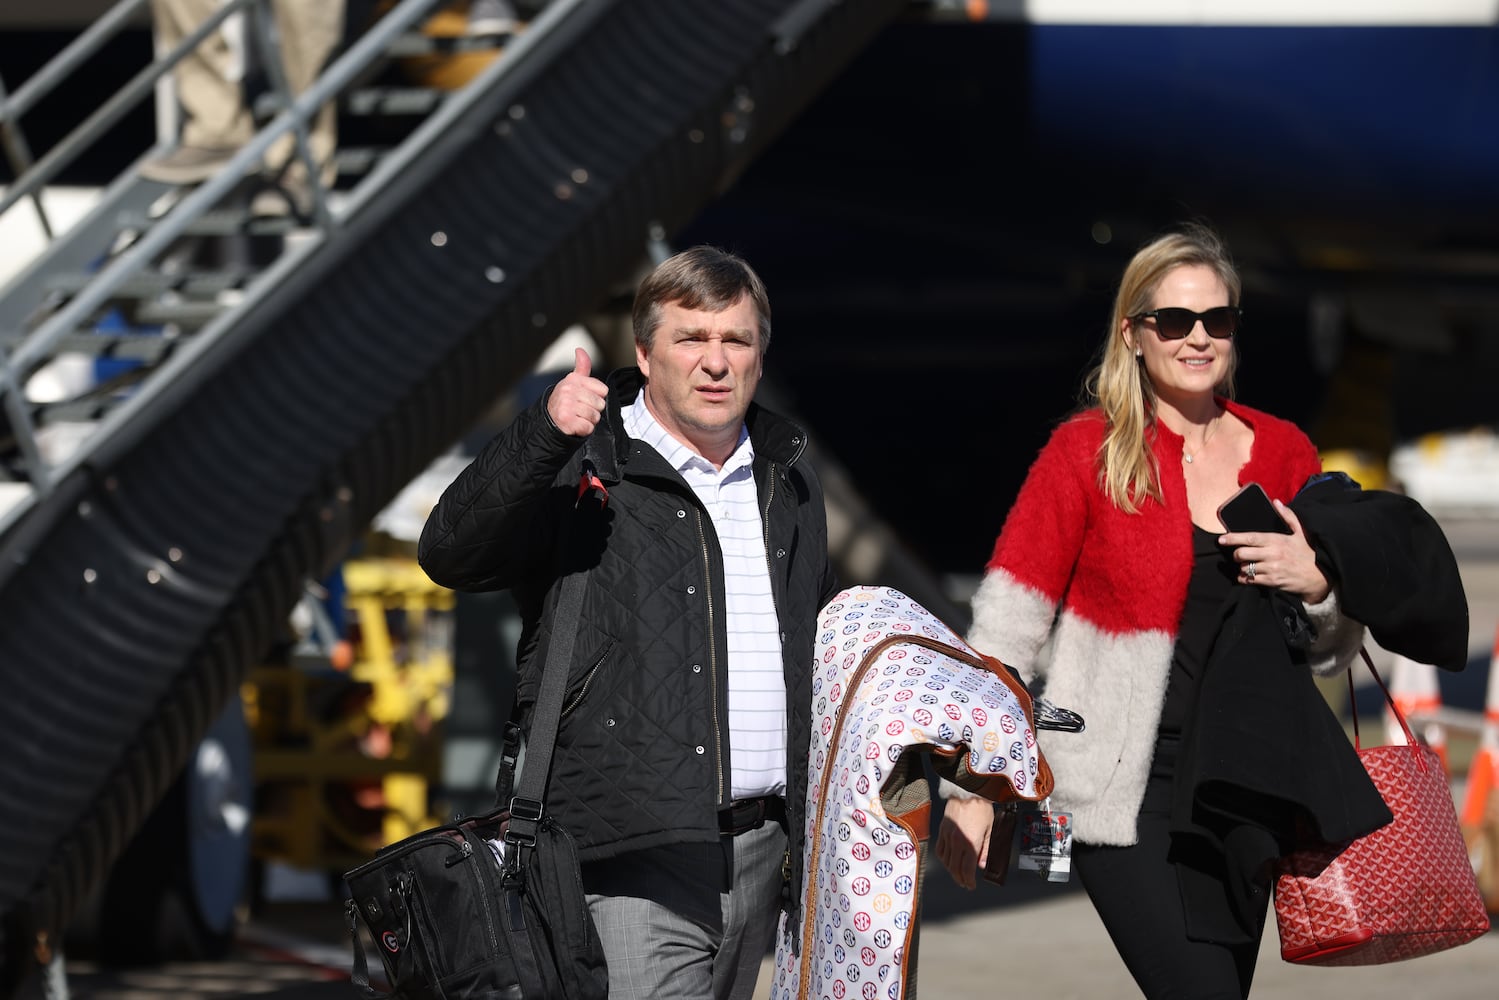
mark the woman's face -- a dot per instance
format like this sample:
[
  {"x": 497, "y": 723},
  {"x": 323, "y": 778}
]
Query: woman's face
[{"x": 1193, "y": 366}]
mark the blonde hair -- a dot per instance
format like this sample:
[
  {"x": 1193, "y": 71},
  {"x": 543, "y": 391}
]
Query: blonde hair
[{"x": 1120, "y": 387}]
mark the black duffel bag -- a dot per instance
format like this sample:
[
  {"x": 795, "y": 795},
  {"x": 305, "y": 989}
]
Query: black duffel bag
[{"x": 451, "y": 919}]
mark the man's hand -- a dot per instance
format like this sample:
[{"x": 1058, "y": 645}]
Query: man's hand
[
  {"x": 577, "y": 402},
  {"x": 963, "y": 841}
]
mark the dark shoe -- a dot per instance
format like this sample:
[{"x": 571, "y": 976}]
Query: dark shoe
[
  {"x": 490, "y": 17},
  {"x": 186, "y": 164}
]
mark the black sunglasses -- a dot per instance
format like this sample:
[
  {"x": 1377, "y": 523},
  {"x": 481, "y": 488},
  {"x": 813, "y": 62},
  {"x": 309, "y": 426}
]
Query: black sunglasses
[{"x": 1175, "y": 323}]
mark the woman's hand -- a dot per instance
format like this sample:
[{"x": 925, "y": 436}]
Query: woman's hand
[
  {"x": 1286, "y": 562},
  {"x": 963, "y": 841}
]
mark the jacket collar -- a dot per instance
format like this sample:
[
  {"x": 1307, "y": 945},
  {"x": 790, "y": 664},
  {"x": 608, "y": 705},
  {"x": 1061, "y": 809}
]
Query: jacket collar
[{"x": 609, "y": 448}]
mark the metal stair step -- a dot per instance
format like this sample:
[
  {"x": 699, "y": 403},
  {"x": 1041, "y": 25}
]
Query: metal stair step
[
  {"x": 143, "y": 347},
  {"x": 223, "y": 222},
  {"x": 193, "y": 285},
  {"x": 394, "y": 100},
  {"x": 353, "y": 161},
  {"x": 192, "y": 314},
  {"x": 406, "y": 46}
]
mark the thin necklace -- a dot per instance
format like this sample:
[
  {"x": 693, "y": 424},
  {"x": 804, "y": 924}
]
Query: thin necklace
[{"x": 1188, "y": 456}]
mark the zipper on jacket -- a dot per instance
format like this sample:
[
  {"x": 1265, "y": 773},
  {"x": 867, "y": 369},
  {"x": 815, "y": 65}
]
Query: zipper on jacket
[
  {"x": 712, "y": 651},
  {"x": 765, "y": 534},
  {"x": 587, "y": 680}
]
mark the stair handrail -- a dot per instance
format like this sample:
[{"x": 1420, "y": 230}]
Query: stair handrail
[
  {"x": 39, "y": 344},
  {"x": 107, "y": 114},
  {"x": 40, "y": 83}
]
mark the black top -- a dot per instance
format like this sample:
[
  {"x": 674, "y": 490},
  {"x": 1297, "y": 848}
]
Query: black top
[
  {"x": 1265, "y": 767},
  {"x": 1213, "y": 575}
]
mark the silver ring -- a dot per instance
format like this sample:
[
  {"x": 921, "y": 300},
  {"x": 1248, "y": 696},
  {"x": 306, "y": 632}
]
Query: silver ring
[{"x": 1249, "y": 570}]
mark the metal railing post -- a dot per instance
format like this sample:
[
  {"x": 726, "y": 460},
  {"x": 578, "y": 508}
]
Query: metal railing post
[
  {"x": 111, "y": 110},
  {"x": 19, "y": 155}
]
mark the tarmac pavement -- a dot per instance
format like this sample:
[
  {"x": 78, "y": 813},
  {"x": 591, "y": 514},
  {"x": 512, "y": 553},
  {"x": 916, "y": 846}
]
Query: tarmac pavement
[{"x": 1055, "y": 947}]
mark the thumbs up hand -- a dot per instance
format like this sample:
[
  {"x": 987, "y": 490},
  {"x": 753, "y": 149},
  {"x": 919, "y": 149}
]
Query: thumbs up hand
[{"x": 577, "y": 402}]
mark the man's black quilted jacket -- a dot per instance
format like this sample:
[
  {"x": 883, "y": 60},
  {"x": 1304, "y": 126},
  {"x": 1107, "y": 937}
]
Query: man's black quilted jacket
[{"x": 642, "y": 755}]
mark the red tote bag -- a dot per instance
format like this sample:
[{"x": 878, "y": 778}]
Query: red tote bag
[{"x": 1403, "y": 891}]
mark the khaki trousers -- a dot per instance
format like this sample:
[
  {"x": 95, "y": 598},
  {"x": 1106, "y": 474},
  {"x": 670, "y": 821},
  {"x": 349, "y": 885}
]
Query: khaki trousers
[{"x": 213, "y": 101}]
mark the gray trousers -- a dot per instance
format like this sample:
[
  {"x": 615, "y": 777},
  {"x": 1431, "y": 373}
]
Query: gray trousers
[{"x": 655, "y": 952}]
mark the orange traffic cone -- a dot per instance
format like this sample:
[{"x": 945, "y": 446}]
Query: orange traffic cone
[
  {"x": 1415, "y": 690},
  {"x": 1484, "y": 770}
]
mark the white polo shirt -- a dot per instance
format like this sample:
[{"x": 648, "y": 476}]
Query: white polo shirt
[{"x": 757, "y": 685}]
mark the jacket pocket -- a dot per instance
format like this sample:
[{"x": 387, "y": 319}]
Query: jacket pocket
[{"x": 578, "y": 691}]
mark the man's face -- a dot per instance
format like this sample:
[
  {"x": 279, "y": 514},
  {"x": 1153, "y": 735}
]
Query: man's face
[{"x": 701, "y": 372}]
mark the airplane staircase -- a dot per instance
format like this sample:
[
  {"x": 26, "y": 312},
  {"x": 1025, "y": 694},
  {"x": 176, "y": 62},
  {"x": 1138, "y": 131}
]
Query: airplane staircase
[{"x": 156, "y": 528}]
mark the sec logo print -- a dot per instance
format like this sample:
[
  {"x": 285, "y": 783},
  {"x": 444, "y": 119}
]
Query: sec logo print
[{"x": 872, "y": 860}]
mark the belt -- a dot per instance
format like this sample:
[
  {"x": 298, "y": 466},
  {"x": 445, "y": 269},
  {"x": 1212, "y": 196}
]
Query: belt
[{"x": 744, "y": 815}]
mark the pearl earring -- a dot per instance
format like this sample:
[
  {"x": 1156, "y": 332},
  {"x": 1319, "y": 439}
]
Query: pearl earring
[{"x": 1139, "y": 353}]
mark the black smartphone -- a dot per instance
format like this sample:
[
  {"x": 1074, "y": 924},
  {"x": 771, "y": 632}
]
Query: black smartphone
[{"x": 1250, "y": 509}]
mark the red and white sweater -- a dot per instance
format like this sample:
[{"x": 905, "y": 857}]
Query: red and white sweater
[{"x": 1120, "y": 581}]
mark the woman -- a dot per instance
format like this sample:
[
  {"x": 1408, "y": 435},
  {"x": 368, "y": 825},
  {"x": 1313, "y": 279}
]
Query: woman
[{"x": 1113, "y": 560}]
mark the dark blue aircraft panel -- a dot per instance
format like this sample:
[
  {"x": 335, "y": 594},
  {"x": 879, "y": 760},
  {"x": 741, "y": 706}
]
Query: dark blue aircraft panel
[{"x": 1352, "y": 115}]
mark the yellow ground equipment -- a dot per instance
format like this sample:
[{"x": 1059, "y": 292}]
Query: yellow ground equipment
[{"x": 346, "y": 752}]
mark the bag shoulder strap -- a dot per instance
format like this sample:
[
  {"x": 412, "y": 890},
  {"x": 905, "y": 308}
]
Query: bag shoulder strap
[
  {"x": 1410, "y": 737},
  {"x": 526, "y": 807}
]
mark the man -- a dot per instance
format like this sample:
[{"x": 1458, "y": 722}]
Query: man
[{"x": 681, "y": 760}]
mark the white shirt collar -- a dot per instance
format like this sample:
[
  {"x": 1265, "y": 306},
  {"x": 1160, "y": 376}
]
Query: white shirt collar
[{"x": 642, "y": 425}]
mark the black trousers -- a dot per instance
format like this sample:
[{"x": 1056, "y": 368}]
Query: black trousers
[{"x": 1137, "y": 895}]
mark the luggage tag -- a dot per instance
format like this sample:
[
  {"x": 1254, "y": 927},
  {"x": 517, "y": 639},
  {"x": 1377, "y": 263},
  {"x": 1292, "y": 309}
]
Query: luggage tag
[{"x": 1046, "y": 843}]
